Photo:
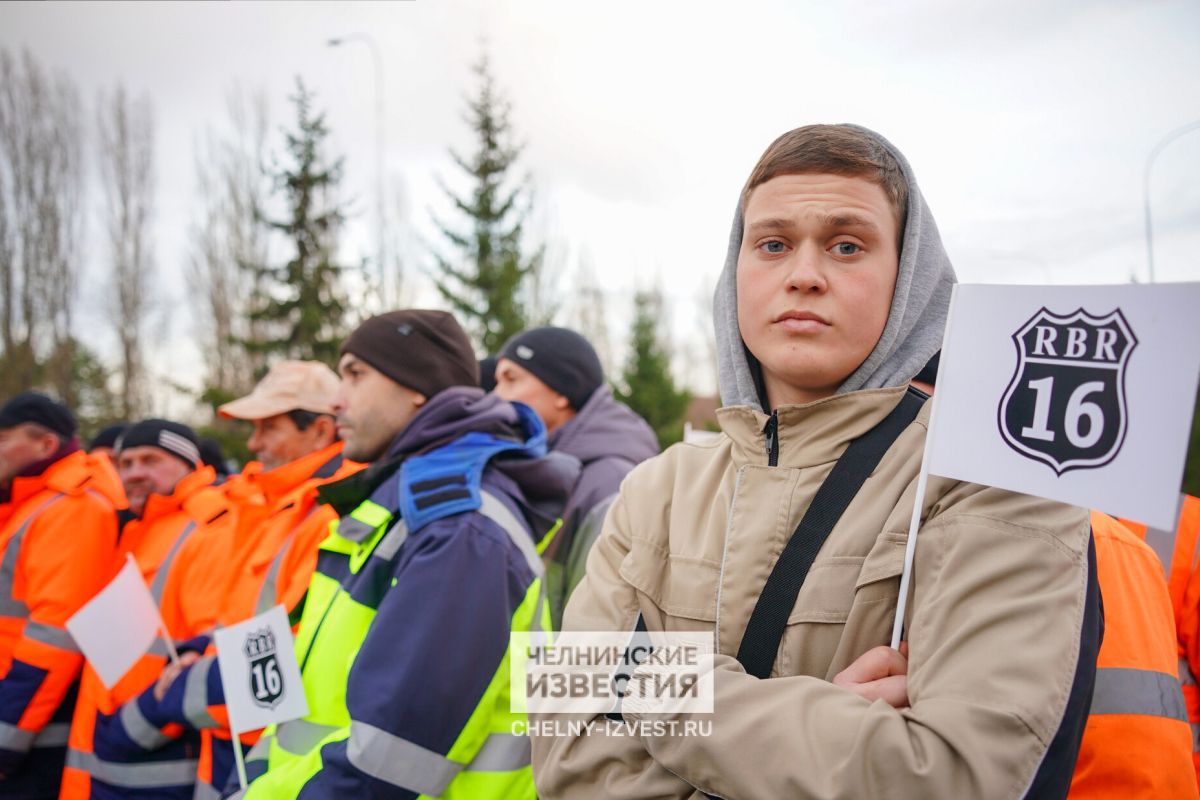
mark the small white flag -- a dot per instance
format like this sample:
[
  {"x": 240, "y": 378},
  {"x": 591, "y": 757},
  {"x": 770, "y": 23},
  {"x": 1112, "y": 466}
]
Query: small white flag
[
  {"x": 118, "y": 625},
  {"x": 259, "y": 670},
  {"x": 1082, "y": 394}
]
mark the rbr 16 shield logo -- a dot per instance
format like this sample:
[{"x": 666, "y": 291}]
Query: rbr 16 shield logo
[
  {"x": 1065, "y": 405},
  {"x": 266, "y": 681}
]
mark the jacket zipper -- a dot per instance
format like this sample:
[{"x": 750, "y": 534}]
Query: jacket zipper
[{"x": 771, "y": 431}]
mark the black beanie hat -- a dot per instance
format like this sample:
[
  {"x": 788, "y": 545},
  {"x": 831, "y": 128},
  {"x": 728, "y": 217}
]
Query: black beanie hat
[
  {"x": 172, "y": 437},
  {"x": 40, "y": 410},
  {"x": 426, "y": 351},
  {"x": 108, "y": 437},
  {"x": 487, "y": 373},
  {"x": 561, "y": 359}
]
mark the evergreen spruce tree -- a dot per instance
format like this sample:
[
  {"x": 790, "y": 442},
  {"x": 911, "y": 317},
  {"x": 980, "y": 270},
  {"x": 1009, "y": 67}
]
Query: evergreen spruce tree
[
  {"x": 485, "y": 280},
  {"x": 302, "y": 305},
  {"x": 647, "y": 386}
]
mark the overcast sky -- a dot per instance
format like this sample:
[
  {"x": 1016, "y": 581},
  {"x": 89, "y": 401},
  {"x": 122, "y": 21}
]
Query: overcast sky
[{"x": 1028, "y": 124}]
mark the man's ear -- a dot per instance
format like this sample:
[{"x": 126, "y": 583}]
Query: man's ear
[
  {"x": 48, "y": 444},
  {"x": 326, "y": 429},
  {"x": 419, "y": 399},
  {"x": 561, "y": 402}
]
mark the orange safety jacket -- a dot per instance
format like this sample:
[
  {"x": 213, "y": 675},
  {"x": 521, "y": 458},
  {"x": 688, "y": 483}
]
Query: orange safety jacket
[
  {"x": 183, "y": 545},
  {"x": 1137, "y": 744},
  {"x": 58, "y": 534},
  {"x": 1179, "y": 551},
  {"x": 280, "y": 554}
]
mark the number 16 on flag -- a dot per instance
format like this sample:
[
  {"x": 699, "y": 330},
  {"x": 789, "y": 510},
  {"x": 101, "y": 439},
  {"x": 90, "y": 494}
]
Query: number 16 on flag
[{"x": 262, "y": 681}]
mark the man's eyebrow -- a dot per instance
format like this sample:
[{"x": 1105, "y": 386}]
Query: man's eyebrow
[
  {"x": 848, "y": 221},
  {"x": 771, "y": 224}
]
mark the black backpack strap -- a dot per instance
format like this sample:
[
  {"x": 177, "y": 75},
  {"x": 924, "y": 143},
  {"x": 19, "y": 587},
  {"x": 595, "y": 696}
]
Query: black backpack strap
[{"x": 760, "y": 642}]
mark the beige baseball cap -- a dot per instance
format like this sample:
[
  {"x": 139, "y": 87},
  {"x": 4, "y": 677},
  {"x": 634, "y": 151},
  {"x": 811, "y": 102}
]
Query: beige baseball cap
[{"x": 287, "y": 386}]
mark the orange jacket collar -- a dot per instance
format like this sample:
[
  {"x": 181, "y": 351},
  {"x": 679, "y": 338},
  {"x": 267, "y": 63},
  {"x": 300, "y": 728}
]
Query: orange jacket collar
[
  {"x": 159, "y": 506},
  {"x": 72, "y": 475},
  {"x": 280, "y": 481}
]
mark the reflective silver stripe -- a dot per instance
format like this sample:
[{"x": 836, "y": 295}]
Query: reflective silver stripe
[
  {"x": 390, "y": 545},
  {"x": 55, "y": 734},
  {"x": 261, "y": 750},
  {"x": 1138, "y": 691},
  {"x": 164, "y": 569},
  {"x": 142, "y": 775},
  {"x": 141, "y": 730},
  {"x": 354, "y": 530},
  {"x": 205, "y": 791},
  {"x": 398, "y": 761},
  {"x": 502, "y": 752},
  {"x": 14, "y": 738},
  {"x": 266, "y": 594},
  {"x": 497, "y": 512},
  {"x": 299, "y": 736},
  {"x": 1185, "y": 672},
  {"x": 51, "y": 635},
  {"x": 9, "y": 605},
  {"x": 159, "y": 647},
  {"x": 195, "y": 695},
  {"x": 1163, "y": 544},
  {"x": 535, "y": 624},
  {"x": 256, "y": 759}
]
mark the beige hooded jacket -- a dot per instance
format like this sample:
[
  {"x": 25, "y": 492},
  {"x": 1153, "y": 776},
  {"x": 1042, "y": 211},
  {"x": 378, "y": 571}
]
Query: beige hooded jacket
[{"x": 1002, "y": 626}]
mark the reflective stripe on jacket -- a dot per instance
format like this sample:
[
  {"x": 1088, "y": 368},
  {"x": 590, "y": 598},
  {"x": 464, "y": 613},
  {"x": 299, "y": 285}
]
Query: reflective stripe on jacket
[
  {"x": 1137, "y": 743},
  {"x": 57, "y": 539}
]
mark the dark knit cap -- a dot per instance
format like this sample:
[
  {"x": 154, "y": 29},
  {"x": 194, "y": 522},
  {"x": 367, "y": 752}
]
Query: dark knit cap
[
  {"x": 172, "y": 437},
  {"x": 426, "y": 351},
  {"x": 561, "y": 359},
  {"x": 38, "y": 409},
  {"x": 107, "y": 437},
  {"x": 487, "y": 373}
]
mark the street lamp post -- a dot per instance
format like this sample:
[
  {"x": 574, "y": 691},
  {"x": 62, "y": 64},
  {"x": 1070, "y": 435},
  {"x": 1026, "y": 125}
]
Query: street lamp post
[
  {"x": 377, "y": 57},
  {"x": 1158, "y": 148}
]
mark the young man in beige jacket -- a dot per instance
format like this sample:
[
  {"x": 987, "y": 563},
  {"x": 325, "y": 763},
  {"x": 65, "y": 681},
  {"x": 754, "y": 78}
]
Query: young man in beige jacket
[{"x": 834, "y": 295}]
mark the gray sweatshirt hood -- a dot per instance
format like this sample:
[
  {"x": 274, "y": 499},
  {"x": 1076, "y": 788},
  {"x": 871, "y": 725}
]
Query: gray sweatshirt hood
[{"x": 915, "y": 323}]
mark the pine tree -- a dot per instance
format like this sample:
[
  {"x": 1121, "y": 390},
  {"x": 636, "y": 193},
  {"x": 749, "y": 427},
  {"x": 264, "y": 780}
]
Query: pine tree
[
  {"x": 485, "y": 281},
  {"x": 647, "y": 386},
  {"x": 302, "y": 304}
]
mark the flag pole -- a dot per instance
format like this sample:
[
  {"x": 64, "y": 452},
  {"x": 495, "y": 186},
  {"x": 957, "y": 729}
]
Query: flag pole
[
  {"x": 910, "y": 547},
  {"x": 239, "y": 759},
  {"x": 172, "y": 653}
]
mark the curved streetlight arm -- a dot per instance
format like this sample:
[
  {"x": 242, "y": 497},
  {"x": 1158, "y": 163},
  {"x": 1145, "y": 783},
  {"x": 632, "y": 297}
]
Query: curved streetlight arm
[{"x": 1158, "y": 148}]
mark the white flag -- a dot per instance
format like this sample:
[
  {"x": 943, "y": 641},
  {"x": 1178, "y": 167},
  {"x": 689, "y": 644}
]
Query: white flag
[
  {"x": 1082, "y": 394},
  {"x": 118, "y": 625},
  {"x": 259, "y": 670}
]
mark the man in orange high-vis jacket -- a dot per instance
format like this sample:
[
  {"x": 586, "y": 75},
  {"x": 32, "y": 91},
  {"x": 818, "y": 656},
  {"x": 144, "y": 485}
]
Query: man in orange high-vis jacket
[
  {"x": 1179, "y": 551},
  {"x": 58, "y": 533},
  {"x": 295, "y": 440},
  {"x": 1137, "y": 744},
  {"x": 182, "y": 540}
]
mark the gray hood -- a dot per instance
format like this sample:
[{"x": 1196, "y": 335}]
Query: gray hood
[{"x": 915, "y": 322}]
